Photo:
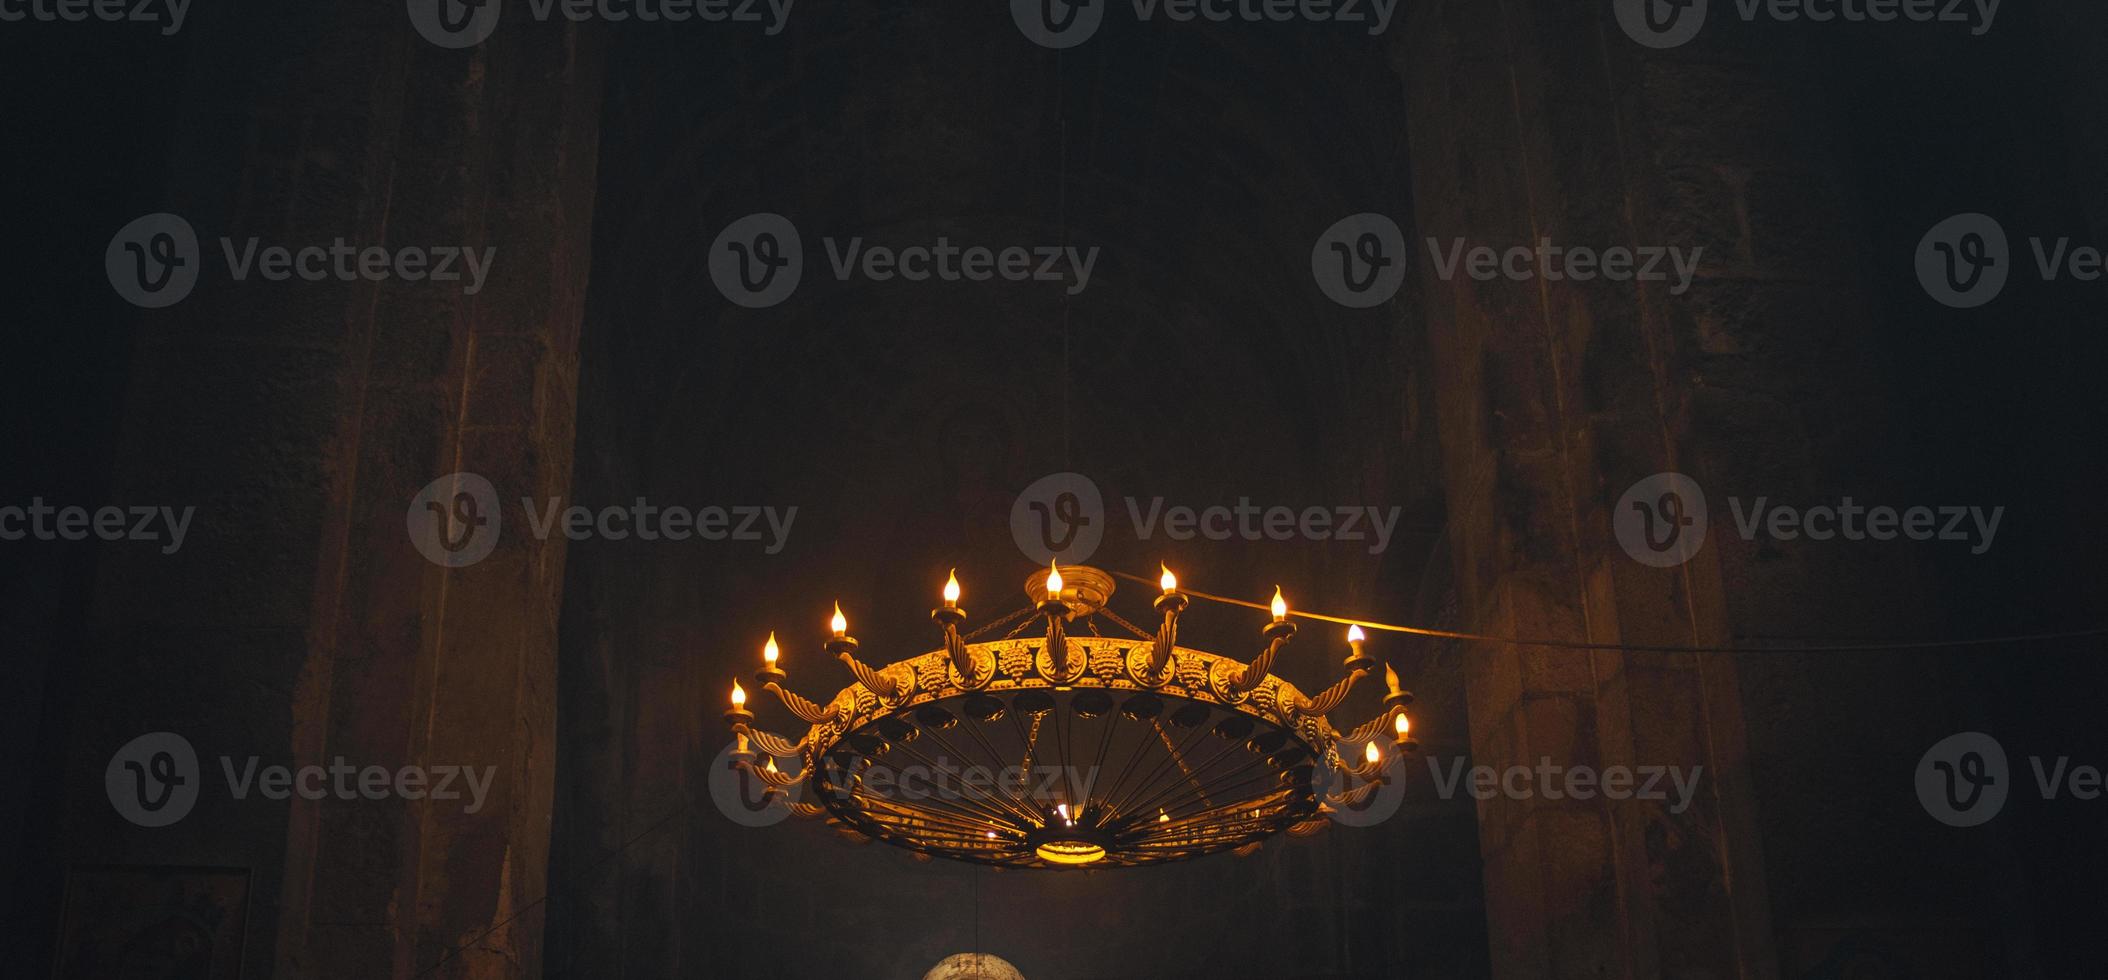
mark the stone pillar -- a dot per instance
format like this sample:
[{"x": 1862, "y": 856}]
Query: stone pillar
[
  {"x": 299, "y": 625},
  {"x": 1540, "y": 120}
]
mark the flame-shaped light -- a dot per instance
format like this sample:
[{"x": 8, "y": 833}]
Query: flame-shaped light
[
  {"x": 770, "y": 765},
  {"x": 951, "y": 589},
  {"x": 739, "y": 695},
  {"x": 1403, "y": 725},
  {"x": 769, "y": 653},
  {"x": 1168, "y": 581},
  {"x": 1280, "y": 605},
  {"x": 1054, "y": 584},
  {"x": 1373, "y": 754},
  {"x": 1063, "y": 809},
  {"x": 1162, "y": 817},
  {"x": 840, "y": 623},
  {"x": 1355, "y": 635}
]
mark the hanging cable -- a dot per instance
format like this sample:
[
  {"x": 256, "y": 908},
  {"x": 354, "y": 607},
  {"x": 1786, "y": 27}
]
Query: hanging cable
[{"x": 1652, "y": 647}]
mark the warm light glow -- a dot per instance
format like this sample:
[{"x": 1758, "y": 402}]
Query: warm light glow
[
  {"x": 1162, "y": 817},
  {"x": 769, "y": 651},
  {"x": 770, "y": 765},
  {"x": 1168, "y": 581},
  {"x": 1374, "y": 754},
  {"x": 1070, "y": 852},
  {"x": 1403, "y": 725},
  {"x": 951, "y": 588},
  {"x": 840, "y": 623},
  {"x": 1054, "y": 585},
  {"x": 991, "y": 835},
  {"x": 1063, "y": 809},
  {"x": 1280, "y": 605},
  {"x": 739, "y": 695},
  {"x": 1355, "y": 635}
]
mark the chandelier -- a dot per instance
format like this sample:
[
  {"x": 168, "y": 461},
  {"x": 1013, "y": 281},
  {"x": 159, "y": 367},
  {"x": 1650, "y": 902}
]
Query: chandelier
[{"x": 1047, "y": 748}]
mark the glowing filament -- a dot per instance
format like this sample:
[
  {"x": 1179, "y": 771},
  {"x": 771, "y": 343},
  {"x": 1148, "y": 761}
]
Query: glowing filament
[
  {"x": 1168, "y": 581},
  {"x": 1280, "y": 605},
  {"x": 769, "y": 651},
  {"x": 739, "y": 695},
  {"x": 840, "y": 623},
  {"x": 1054, "y": 584},
  {"x": 951, "y": 589}
]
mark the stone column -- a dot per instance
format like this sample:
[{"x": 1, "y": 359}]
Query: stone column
[
  {"x": 1540, "y": 120},
  {"x": 300, "y": 625}
]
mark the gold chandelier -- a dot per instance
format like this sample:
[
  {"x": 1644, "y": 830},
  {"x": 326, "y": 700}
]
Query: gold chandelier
[{"x": 1059, "y": 750}]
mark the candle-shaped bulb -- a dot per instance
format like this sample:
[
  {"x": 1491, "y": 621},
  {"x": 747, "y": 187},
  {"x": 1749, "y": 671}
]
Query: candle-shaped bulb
[
  {"x": 770, "y": 765},
  {"x": 1054, "y": 585},
  {"x": 1162, "y": 817},
  {"x": 1373, "y": 754},
  {"x": 951, "y": 589},
  {"x": 739, "y": 695},
  {"x": 1280, "y": 605},
  {"x": 1167, "y": 580},
  {"x": 769, "y": 653},
  {"x": 1403, "y": 725},
  {"x": 1355, "y": 635},
  {"x": 840, "y": 623}
]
